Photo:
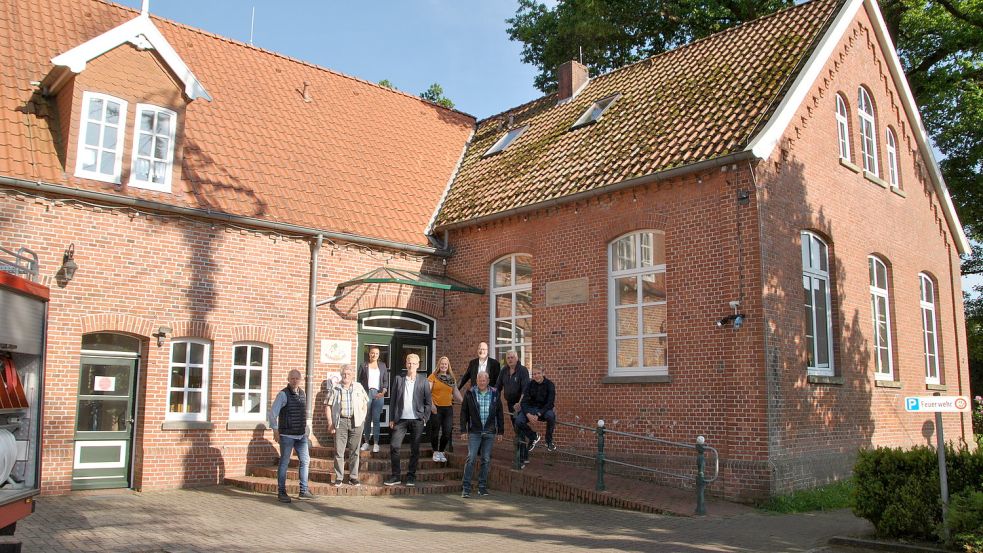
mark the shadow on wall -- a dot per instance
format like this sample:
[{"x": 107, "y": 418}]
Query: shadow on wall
[
  {"x": 202, "y": 464},
  {"x": 261, "y": 451},
  {"x": 815, "y": 425}
]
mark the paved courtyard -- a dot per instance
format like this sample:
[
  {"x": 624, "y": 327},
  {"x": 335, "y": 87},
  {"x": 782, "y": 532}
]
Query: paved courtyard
[{"x": 225, "y": 519}]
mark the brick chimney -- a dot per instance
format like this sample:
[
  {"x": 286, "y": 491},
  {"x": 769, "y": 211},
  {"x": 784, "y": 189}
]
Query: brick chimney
[{"x": 571, "y": 76}]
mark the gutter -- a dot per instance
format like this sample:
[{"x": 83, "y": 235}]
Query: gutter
[
  {"x": 587, "y": 194},
  {"x": 218, "y": 216},
  {"x": 312, "y": 321}
]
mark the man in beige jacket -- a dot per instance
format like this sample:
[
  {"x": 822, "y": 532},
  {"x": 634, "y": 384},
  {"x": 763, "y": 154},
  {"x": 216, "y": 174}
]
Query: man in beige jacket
[{"x": 346, "y": 410}]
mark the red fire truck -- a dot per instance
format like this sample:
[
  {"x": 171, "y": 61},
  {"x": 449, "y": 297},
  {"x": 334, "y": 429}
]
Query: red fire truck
[{"x": 23, "y": 329}]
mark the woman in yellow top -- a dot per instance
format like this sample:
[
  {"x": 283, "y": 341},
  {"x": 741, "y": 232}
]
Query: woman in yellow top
[{"x": 443, "y": 390}]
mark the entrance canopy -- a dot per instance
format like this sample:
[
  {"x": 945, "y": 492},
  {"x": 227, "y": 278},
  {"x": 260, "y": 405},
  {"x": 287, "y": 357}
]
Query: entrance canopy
[{"x": 390, "y": 275}]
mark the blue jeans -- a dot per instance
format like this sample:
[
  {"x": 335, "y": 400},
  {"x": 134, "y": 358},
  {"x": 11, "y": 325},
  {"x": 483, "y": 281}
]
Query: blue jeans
[
  {"x": 372, "y": 425},
  {"x": 479, "y": 443},
  {"x": 287, "y": 445}
]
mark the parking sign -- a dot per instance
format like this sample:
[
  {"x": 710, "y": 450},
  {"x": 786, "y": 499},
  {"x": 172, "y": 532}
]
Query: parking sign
[{"x": 936, "y": 404}]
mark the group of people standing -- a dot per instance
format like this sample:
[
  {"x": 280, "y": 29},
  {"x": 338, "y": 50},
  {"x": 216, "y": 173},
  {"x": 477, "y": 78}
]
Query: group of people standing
[{"x": 354, "y": 407}]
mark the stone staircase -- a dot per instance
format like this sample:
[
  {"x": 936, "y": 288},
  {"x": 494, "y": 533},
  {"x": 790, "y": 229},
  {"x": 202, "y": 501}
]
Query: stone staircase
[{"x": 431, "y": 477}]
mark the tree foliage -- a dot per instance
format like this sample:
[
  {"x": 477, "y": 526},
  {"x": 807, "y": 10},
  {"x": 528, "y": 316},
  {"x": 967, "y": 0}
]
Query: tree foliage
[
  {"x": 940, "y": 43},
  {"x": 435, "y": 94},
  {"x": 388, "y": 84}
]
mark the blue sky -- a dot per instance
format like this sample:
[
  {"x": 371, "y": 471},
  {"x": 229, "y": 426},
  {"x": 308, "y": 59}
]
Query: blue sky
[{"x": 460, "y": 44}]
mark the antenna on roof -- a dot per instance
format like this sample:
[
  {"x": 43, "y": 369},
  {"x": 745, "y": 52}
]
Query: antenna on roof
[
  {"x": 581, "y": 54},
  {"x": 252, "y": 24},
  {"x": 145, "y": 8}
]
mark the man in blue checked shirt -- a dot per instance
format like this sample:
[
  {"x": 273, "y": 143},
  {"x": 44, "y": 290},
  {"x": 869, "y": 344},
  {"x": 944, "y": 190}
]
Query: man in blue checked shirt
[{"x": 482, "y": 421}]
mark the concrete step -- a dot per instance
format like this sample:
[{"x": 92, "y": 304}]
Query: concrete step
[
  {"x": 366, "y": 478},
  {"x": 269, "y": 486},
  {"x": 373, "y": 464},
  {"x": 327, "y": 452}
]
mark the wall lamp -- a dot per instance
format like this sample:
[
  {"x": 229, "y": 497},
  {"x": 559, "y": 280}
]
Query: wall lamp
[
  {"x": 737, "y": 319},
  {"x": 162, "y": 333},
  {"x": 68, "y": 264}
]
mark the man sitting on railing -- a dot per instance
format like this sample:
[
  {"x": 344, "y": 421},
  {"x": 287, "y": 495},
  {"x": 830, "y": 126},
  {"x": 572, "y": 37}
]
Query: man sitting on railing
[{"x": 537, "y": 404}]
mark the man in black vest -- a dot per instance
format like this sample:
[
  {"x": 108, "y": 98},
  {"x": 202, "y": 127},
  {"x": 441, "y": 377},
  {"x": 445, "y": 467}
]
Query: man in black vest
[
  {"x": 288, "y": 419},
  {"x": 481, "y": 364},
  {"x": 409, "y": 410}
]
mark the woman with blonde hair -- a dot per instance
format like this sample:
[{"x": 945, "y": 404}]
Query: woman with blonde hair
[{"x": 443, "y": 390}]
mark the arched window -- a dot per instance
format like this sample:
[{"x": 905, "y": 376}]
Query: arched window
[
  {"x": 511, "y": 307},
  {"x": 816, "y": 288},
  {"x": 868, "y": 135},
  {"x": 250, "y": 374},
  {"x": 842, "y": 127},
  {"x": 929, "y": 329},
  {"x": 892, "y": 159},
  {"x": 880, "y": 308},
  {"x": 637, "y": 307}
]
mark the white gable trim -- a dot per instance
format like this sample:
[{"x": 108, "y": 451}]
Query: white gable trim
[
  {"x": 142, "y": 33},
  {"x": 763, "y": 144}
]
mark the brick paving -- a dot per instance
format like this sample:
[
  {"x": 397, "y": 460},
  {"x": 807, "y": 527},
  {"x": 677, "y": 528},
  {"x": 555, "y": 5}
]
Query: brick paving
[{"x": 229, "y": 519}]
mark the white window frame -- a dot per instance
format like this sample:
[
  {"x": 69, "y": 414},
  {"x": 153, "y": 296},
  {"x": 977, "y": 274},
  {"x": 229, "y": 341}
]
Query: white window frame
[
  {"x": 930, "y": 329},
  {"x": 80, "y": 171},
  {"x": 879, "y": 293},
  {"x": 868, "y": 131},
  {"x": 843, "y": 127},
  {"x": 205, "y": 373},
  {"x": 596, "y": 111},
  {"x": 165, "y": 185},
  {"x": 367, "y": 324},
  {"x": 264, "y": 371},
  {"x": 505, "y": 141},
  {"x": 637, "y": 272},
  {"x": 812, "y": 274},
  {"x": 522, "y": 347},
  {"x": 893, "y": 177}
]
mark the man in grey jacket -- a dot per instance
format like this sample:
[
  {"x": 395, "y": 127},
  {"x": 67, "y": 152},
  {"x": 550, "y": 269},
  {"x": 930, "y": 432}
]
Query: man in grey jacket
[
  {"x": 345, "y": 412},
  {"x": 409, "y": 411}
]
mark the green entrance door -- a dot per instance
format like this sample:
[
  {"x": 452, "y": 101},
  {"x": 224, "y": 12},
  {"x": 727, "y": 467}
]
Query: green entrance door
[
  {"x": 397, "y": 334},
  {"x": 104, "y": 420}
]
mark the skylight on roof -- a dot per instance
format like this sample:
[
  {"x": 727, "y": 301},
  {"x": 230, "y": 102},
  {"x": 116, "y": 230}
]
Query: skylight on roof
[
  {"x": 504, "y": 142},
  {"x": 593, "y": 113}
]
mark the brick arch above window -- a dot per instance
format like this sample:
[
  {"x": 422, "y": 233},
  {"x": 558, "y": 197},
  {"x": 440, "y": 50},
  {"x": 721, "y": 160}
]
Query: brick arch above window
[
  {"x": 253, "y": 333},
  {"x": 193, "y": 329},
  {"x": 513, "y": 245},
  {"x": 618, "y": 228},
  {"x": 386, "y": 299},
  {"x": 118, "y": 322}
]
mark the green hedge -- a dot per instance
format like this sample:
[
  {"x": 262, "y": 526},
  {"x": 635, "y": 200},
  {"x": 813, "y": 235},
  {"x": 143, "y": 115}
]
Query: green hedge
[{"x": 898, "y": 490}]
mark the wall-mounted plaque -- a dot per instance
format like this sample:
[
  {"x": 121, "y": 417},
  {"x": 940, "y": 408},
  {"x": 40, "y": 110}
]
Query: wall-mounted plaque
[{"x": 567, "y": 292}]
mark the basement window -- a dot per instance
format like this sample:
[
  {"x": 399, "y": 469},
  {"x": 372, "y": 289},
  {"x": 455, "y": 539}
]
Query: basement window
[
  {"x": 594, "y": 112},
  {"x": 506, "y": 140}
]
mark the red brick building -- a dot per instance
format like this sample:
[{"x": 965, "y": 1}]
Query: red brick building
[{"x": 225, "y": 203}]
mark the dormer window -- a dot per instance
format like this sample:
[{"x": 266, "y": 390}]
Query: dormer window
[
  {"x": 153, "y": 148},
  {"x": 594, "y": 112},
  {"x": 506, "y": 140},
  {"x": 100, "y": 149}
]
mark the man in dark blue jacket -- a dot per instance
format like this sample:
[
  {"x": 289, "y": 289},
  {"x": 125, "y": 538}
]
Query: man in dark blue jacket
[
  {"x": 537, "y": 405},
  {"x": 481, "y": 421}
]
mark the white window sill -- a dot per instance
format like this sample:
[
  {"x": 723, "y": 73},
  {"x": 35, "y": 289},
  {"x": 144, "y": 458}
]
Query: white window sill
[
  {"x": 826, "y": 379},
  {"x": 887, "y": 384},
  {"x": 247, "y": 425},
  {"x": 936, "y": 387},
  {"x": 187, "y": 425},
  {"x": 637, "y": 379}
]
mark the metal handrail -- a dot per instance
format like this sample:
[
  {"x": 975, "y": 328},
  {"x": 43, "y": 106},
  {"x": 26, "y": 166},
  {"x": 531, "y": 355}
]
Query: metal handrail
[
  {"x": 700, "y": 446},
  {"x": 24, "y": 262}
]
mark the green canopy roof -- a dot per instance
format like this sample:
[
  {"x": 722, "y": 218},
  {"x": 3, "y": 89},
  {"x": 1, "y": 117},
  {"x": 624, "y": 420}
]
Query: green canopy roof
[{"x": 389, "y": 275}]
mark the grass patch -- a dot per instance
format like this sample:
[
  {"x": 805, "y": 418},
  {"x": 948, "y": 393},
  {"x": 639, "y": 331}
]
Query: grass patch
[{"x": 824, "y": 498}]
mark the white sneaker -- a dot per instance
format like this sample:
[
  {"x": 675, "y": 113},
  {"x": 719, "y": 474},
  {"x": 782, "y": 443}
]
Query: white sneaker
[
  {"x": 365, "y": 446},
  {"x": 375, "y": 448},
  {"x": 443, "y": 458},
  {"x": 436, "y": 456}
]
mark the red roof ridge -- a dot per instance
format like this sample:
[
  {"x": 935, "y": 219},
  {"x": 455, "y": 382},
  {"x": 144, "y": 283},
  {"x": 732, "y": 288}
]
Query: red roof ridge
[{"x": 280, "y": 55}]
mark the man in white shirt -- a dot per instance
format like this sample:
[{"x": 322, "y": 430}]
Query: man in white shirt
[
  {"x": 483, "y": 363},
  {"x": 410, "y": 405}
]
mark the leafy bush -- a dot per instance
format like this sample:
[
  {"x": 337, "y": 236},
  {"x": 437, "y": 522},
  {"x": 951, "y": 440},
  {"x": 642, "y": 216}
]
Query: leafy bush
[
  {"x": 978, "y": 416},
  {"x": 966, "y": 521},
  {"x": 898, "y": 490}
]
